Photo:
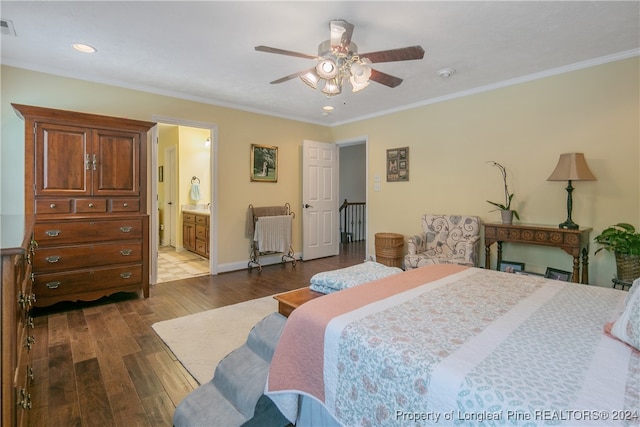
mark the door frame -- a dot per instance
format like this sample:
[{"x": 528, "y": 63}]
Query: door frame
[
  {"x": 356, "y": 141},
  {"x": 153, "y": 194}
]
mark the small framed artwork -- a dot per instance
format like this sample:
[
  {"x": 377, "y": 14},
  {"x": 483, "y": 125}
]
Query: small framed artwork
[
  {"x": 264, "y": 163},
  {"x": 398, "y": 164},
  {"x": 555, "y": 274},
  {"x": 511, "y": 266}
]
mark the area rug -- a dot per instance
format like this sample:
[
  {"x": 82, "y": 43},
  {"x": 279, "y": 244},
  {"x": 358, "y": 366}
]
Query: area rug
[{"x": 201, "y": 340}]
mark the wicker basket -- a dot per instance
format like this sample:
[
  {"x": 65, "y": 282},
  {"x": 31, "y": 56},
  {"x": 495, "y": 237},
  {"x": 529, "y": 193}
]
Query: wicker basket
[
  {"x": 628, "y": 267},
  {"x": 390, "y": 249}
]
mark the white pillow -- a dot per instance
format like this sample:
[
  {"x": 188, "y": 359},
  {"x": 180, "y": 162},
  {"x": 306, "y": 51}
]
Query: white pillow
[
  {"x": 348, "y": 277},
  {"x": 632, "y": 290},
  {"x": 627, "y": 327}
]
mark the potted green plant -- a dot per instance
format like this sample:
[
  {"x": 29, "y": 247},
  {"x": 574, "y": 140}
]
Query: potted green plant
[
  {"x": 505, "y": 209},
  {"x": 624, "y": 241}
]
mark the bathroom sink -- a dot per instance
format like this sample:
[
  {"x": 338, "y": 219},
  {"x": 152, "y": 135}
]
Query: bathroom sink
[{"x": 197, "y": 211}]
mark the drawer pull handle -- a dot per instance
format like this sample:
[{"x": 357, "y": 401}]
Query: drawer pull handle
[
  {"x": 52, "y": 205},
  {"x": 30, "y": 323},
  {"x": 53, "y": 285},
  {"x": 126, "y": 228},
  {"x": 90, "y": 205},
  {"x": 25, "y": 399},
  {"x": 23, "y": 301},
  {"x": 29, "y": 342},
  {"x": 52, "y": 233},
  {"x": 126, "y": 275},
  {"x": 126, "y": 252},
  {"x": 125, "y": 204},
  {"x": 53, "y": 258}
]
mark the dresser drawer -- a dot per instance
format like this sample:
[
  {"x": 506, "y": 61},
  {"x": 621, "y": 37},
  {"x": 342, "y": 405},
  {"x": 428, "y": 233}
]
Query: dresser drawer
[
  {"x": 201, "y": 247},
  {"x": 91, "y": 205},
  {"x": 202, "y": 220},
  {"x": 124, "y": 205},
  {"x": 53, "y": 206},
  {"x": 70, "y": 231},
  {"x": 201, "y": 232},
  {"x": 84, "y": 256},
  {"x": 187, "y": 217},
  {"x": 82, "y": 281}
]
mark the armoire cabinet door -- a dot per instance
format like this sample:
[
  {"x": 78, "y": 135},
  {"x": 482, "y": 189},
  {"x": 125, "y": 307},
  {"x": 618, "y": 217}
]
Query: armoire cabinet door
[
  {"x": 61, "y": 160},
  {"x": 117, "y": 155},
  {"x": 82, "y": 162}
]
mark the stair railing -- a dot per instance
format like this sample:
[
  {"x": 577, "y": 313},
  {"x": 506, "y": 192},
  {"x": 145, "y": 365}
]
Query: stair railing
[{"x": 352, "y": 221}]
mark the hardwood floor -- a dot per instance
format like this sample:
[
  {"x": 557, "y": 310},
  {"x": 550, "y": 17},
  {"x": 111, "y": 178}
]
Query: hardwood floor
[{"x": 101, "y": 363}]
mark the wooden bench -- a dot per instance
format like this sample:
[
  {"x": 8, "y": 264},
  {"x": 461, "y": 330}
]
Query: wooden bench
[{"x": 289, "y": 301}]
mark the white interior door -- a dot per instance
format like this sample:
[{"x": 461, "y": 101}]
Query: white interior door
[
  {"x": 171, "y": 196},
  {"x": 320, "y": 226}
]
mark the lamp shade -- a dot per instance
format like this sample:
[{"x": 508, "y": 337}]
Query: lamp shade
[
  {"x": 571, "y": 167},
  {"x": 311, "y": 78}
]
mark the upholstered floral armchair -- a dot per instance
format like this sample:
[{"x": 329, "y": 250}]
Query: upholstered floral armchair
[{"x": 445, "y": 239}]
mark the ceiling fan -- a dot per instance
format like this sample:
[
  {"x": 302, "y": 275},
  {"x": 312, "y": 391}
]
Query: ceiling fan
[{"x": 339, "y": 60}]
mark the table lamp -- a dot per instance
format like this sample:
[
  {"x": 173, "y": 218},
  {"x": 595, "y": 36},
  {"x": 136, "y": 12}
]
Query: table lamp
[{"x": 571, "y": 167}]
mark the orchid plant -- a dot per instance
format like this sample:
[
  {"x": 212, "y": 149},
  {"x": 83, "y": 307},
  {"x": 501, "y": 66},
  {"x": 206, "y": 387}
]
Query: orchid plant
[{"x": 507, "y": 196}]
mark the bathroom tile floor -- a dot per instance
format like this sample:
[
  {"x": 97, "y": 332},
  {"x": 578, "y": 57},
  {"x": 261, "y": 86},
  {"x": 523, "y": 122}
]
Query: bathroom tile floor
[{"x": 174, "y": 265}]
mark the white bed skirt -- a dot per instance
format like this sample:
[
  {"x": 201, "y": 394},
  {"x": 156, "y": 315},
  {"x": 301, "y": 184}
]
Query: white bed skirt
[{"x": 312, "y": 413}]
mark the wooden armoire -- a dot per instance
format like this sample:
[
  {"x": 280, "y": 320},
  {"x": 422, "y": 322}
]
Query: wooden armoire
[{"x": 86, "y": 185}]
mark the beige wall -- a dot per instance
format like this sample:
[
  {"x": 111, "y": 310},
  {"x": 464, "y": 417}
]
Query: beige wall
[
  {"x": 237, "y": 130},
  {"x": 525, "y": 127}
]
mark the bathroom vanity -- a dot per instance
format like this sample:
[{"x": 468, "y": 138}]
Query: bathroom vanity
[{"x": 195, "y": 231}]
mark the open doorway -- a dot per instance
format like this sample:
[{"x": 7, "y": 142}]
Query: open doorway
[
  {"x": 184, "y": 188},
  {"x": 353, "y": 194}
]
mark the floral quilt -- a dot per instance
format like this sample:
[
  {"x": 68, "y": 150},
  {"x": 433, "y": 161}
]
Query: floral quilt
[{"x": 460, "y": 346}]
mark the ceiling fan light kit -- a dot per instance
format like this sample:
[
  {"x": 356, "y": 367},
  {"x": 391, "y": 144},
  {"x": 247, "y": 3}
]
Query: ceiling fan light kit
[{"x": 339, "y": 61}]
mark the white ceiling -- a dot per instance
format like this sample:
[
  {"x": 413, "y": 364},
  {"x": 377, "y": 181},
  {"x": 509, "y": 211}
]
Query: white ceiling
[{"x": 204, "y": 50}]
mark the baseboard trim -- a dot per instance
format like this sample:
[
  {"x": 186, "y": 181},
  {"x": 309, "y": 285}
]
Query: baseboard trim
[{"x": 244, "y": 265}]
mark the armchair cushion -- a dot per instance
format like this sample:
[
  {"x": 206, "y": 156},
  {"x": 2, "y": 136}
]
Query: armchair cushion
[{"x": 445, "y": 239}]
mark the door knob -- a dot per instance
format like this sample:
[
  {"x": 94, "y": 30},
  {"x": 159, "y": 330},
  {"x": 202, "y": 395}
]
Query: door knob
[{"x": 306, "y": 206}]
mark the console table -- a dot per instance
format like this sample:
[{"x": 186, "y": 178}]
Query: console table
[{"x": 573, "y": 242}]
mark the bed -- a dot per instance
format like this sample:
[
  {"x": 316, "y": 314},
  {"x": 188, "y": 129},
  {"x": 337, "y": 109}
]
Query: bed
[{"x": 454, "y": 345}]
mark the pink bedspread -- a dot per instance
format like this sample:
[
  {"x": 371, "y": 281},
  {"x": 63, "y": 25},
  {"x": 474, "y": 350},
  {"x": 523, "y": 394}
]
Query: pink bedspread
[
  {"x": 298, "y": 361},
  {"x": 460, "y": 346},
  {"x": 466, "y": 343}
]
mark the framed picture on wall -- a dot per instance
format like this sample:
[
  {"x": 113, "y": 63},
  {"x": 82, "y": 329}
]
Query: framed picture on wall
[
  {"x": 398, "y": 164},
  {"x": 264, "y": 163}
]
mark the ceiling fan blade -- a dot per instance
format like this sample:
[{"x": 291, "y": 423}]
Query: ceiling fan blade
[
  {"x": 384, "y": 78},
  {"x": 284, "y": 52},
  {"x": 401, "y": 54},
  {"x": 292, "y": 76},
  {"x": 341, "y": 32}
]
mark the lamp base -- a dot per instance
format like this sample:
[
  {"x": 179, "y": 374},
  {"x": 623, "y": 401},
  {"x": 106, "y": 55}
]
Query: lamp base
[{"x": 570, "y": 225}]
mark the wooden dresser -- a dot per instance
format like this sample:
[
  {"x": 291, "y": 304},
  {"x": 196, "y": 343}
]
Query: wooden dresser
[
  {"x": 17, "y": 338},
  {"x": 85, "y": 182}
]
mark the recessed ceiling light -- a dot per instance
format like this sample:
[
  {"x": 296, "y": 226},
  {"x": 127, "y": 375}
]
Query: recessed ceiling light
[
  {"x": 445, "y": 73},
  {"x": 327, "y": 108},
  {"x": 85, "y": 48}
]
